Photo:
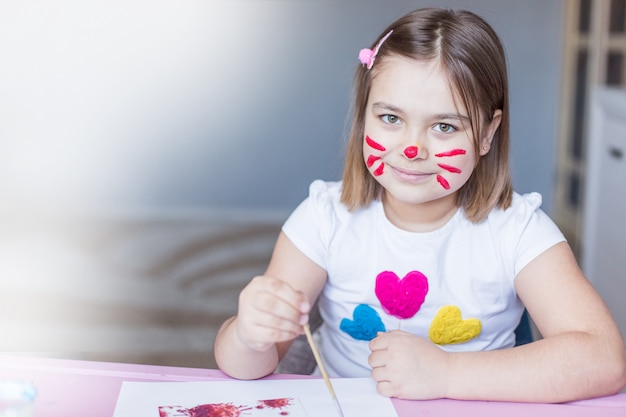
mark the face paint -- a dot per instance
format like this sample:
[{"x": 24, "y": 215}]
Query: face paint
[
  {"x": 371, "y": 159},
  {"x": 453, "y": 152},
  {"x": 410, "y": 152},
  {"x": 445, "y": 184},
  {"x": 379, "y": 170},
  {"x": 374, "y": 144},
  {"x": 449, "y": 168}
]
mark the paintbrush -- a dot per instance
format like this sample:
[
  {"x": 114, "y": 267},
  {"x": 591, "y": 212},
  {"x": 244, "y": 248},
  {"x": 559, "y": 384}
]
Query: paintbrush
[{"x": 318, "y": 359}]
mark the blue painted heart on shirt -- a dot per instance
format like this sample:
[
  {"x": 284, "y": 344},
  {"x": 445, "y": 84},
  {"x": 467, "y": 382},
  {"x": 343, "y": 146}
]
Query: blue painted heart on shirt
[{"x": 366, "y": 323}]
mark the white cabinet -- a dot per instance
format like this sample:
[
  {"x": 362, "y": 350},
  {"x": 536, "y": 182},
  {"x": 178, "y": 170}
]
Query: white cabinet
[{"x": 604, "y": 224}]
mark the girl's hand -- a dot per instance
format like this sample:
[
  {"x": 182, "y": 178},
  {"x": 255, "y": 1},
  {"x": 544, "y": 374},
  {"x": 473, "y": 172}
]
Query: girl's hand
[
  {"x": 407, "y": 366},
  {"x": 270, "y": 311}
]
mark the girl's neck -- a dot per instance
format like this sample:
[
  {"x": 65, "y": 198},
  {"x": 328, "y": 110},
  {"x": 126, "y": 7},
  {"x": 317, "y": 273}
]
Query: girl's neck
[{"x": 420, "y": 218}]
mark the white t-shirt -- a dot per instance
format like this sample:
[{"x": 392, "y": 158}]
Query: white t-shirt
[{"x": 395, "y": 279}]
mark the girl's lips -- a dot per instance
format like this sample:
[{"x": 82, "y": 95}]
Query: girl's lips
[{"x": 410, "y": 175}]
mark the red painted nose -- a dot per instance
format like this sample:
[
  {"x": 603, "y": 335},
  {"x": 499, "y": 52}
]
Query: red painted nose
[{"x": 411, "y": 151}]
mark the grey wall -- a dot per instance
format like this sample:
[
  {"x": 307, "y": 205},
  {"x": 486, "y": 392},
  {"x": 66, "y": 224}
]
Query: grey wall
[{"x": 161, "y": 104}]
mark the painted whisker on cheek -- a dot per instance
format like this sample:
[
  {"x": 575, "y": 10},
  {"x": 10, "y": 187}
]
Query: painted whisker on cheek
[
  {"x": 453, "y": 152},
  {"x": 371, "y": 159},
  {"x": 444, "y": 183},
  {"x": 450, "y": 168},
  {"x": 379, "y": 170},
  {"x": 374, "y": 144}
]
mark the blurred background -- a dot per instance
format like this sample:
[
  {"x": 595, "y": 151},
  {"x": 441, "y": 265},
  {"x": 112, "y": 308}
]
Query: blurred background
[{"x": 150, "y": 150}]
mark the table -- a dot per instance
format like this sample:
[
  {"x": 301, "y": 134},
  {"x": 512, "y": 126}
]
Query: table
[{"x": 70, "y": 388}]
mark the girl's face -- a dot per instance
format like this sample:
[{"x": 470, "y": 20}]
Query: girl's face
[{"x": 418, "y": 141}]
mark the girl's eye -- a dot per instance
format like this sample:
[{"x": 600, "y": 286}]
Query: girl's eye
[
  {"x": 390, "y": 118},
  {"x": 444, "y": 128}
]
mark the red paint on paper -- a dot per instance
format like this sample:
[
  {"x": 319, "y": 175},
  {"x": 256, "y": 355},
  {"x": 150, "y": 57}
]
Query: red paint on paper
[
  {"x": 450, "y": 168},
  {"x": 276, "y": 403},
  {"x": 379, "y": 170},
  {"x": 215, "y": 410},
  {"x": 411, "y": 151},
  {"x": 371, "y": 159},
  {"x": 374, "y": 144},
  {"x": 453, "y": 152},
  {"x": 281, "y": 405},
  {"x": 445, "y": 184}
]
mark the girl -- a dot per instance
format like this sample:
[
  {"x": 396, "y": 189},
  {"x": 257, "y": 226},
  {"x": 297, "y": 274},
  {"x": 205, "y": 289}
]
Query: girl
[{"x": 423, "y": 258}]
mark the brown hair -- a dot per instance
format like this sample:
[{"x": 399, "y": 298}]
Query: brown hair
[{"x": 471, "y": 53}]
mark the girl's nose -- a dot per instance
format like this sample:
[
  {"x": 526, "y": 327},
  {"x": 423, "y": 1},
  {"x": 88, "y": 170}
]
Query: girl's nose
[{"x": 411, "y": 151}]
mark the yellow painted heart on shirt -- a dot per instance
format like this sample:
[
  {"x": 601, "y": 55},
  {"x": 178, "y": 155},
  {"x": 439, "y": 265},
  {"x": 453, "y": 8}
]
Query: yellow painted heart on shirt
[{"x": 448, "y": 327}]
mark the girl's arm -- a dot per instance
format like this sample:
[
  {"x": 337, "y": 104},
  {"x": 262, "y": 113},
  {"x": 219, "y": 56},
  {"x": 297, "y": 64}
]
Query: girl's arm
[
  {"x": 272, "y": 309},
  {"x": 581, "y": 354}
]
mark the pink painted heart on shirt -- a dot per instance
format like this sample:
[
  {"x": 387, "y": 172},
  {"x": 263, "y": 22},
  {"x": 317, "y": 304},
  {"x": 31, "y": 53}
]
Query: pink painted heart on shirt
[{"x": 404, "y": 297}]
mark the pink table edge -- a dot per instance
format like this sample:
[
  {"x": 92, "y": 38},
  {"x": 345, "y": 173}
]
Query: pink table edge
[{"x": 37, "y": 369}]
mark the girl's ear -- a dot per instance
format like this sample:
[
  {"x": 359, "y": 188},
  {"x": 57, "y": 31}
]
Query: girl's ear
[{"x": 489, "y": 132}]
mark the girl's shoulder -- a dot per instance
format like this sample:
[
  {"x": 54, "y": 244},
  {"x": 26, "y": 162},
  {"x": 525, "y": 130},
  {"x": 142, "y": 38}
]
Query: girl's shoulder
[
  {"x": 323, "y": 209},
  {"x": 325, "y": 190},
  {"x": 325, "y": 196},
  {"x": 313, "y": 224},
  {"x": 524, "y": 227},
  {"x": 524, "y": 208}
]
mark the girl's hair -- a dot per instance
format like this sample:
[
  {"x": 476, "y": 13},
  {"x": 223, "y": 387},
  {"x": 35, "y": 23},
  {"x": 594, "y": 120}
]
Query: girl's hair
[{"x": 471, "y": 53}]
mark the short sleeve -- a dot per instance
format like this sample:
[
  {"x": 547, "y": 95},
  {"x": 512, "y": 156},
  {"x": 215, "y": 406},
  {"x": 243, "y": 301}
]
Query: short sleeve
[
  {"x": 536, "y": 231},
  {"x": 309, "y": 226}
]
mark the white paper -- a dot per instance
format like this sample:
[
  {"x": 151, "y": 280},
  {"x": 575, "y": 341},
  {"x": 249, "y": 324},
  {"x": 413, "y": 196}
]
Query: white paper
[{"x": 357, "y": 396}]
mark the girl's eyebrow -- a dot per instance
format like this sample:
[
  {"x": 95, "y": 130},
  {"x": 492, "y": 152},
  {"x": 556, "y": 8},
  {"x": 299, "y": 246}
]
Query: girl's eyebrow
[
  {"x": 386, "y": 106},
  {"x": 441, "y": 116},
  {"x": 462, "y": 118}
]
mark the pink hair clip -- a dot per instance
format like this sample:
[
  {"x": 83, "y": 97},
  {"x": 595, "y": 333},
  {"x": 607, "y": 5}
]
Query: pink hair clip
[{"x": 367, "y": 56}]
